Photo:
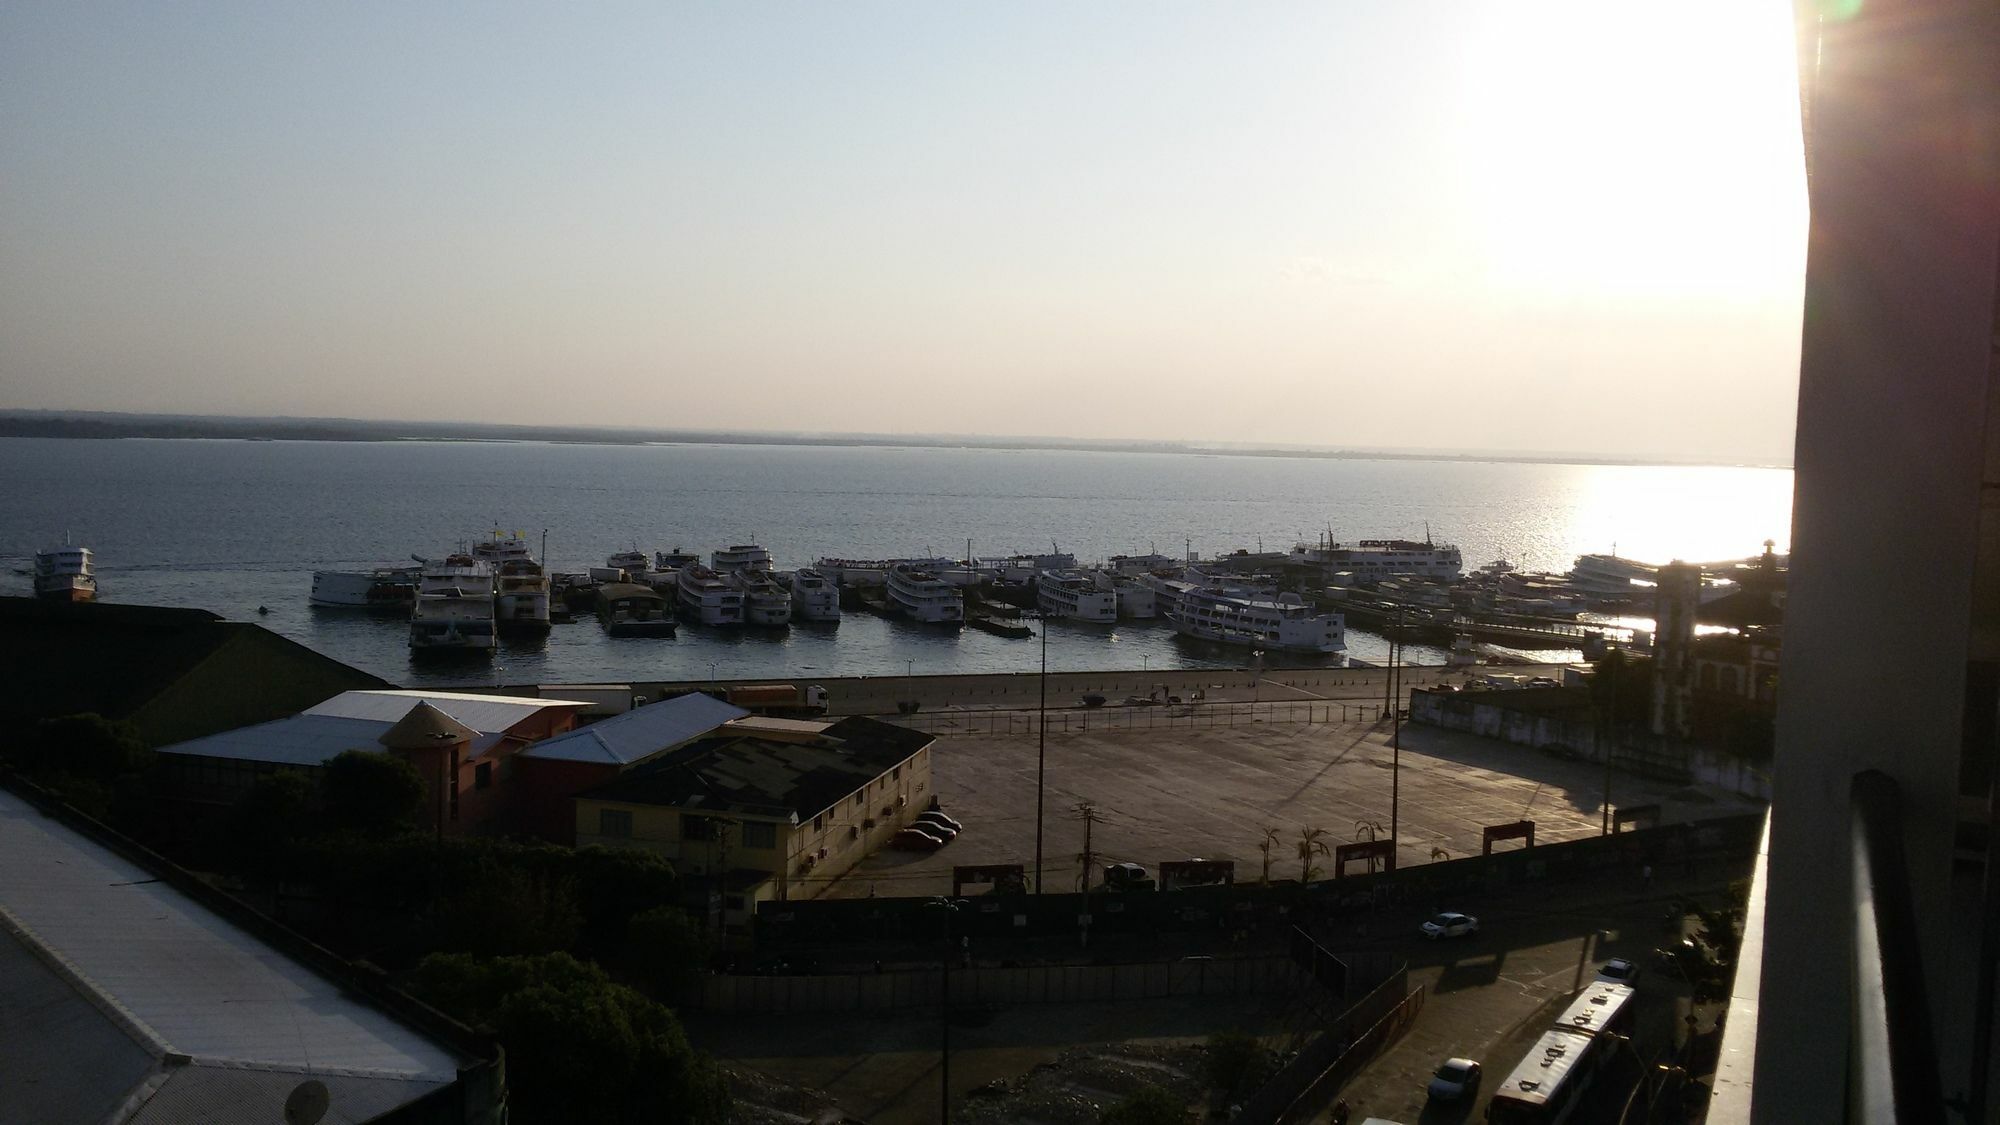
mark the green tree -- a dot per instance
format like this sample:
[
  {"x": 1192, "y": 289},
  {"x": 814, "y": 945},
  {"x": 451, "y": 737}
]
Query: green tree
[
  {"x": 498, "y": 908},
  {"x": 666, "y": 952},
  {"x": 1311, "y": 846},
  {"x": 84, "y": 746},
  {"x": 579, "y": 1047},
  {"x": 1149, "y": 1105},
  {"x": 272, "y": 817},
  {"x": 1234, "y": 1057},
  {"x": 368, "y": 792}
]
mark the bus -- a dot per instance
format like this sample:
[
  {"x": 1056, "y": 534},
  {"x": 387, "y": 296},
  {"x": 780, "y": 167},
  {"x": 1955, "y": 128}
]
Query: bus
[{"x": 1547, "y": 1085}]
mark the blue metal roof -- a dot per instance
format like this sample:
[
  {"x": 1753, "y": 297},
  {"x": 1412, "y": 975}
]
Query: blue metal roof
[{"x": 640, "y": 733}]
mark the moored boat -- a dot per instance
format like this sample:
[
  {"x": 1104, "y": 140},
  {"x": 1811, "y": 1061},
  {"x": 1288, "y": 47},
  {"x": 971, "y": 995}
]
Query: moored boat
[
  {"x": 743, "y": 556},
  {"x": 813, "y": 597},
  {"x": 1069, "y": 594},
  {"x": 764, "y": 601},
  {"x": 384, "y": 588},
  {"x": 453, "y": 611},
  {"x": 1284, "y": 623},
  {"x": 631, "y": 610},
  {"x": 707, "y": 599},
  {"x": 66, "y": 574},
  {"x": 922, "y": 596}
]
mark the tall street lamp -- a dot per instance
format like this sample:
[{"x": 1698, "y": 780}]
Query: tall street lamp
[
  {"x": 1395, "y": 741},
  {"x": 1041, "y": 749},
  {"x": 947, "y": 910}
]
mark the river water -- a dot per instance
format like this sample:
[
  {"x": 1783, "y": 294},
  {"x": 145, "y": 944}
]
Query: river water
[{"x": 232, "y": 526}]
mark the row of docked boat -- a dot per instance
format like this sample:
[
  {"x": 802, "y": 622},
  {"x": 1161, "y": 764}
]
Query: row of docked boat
[{"x": 737, "y": 587}]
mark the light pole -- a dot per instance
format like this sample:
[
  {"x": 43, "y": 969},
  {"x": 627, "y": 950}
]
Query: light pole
[
  {"x": 910, "y": 678},
  {"x": 1395, "y": 741},
  {"x": 946, "y": 909},
  {"x": 1041, "y": 750}
]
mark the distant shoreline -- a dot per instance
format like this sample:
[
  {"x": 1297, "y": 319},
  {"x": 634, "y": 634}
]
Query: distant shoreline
[{"x": 107, "y": 426}]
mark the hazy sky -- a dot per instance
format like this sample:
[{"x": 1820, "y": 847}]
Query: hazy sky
[{"x": 1574, "y": 226}]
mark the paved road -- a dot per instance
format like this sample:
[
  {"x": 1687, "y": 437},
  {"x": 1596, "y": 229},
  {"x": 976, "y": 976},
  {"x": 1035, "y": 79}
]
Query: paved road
[{"x": 1492, "y": 995}]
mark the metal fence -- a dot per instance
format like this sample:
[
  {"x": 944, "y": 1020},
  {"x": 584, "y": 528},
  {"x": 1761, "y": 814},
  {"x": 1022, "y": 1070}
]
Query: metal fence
[
  {"x": 1186, "y": 716},
  {"x": 1022, "y": 984}
]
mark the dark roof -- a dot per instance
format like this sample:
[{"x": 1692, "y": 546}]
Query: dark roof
[
  {"x": 767, "y": 776},
  {"x": 60, "y": 658}
]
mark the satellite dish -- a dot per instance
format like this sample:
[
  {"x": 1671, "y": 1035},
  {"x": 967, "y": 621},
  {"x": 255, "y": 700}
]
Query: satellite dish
[{"x": 307, "y": 1103}]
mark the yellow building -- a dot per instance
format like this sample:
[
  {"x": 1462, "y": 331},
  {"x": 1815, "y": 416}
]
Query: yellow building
[{"x": 772, "y": 809}]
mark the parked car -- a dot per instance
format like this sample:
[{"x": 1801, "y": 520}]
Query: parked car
[
  {"x": 915, "y": 839},
  {"x": 1455, "y": 1079},
  {"x": 1127, "y": 877},
  {"x": 1620, "y": 970},
  {"x": 1450, "y": 924},
  {"x": 936, "y": 828},
  {"x": 933, "y": 816}
]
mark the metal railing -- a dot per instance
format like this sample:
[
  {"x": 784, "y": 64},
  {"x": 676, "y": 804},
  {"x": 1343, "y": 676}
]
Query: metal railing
[{"x": 1892, "y": 1058}]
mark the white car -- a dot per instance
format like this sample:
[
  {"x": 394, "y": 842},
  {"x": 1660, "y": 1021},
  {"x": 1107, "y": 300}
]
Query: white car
[
  {"x": 1450, "y": 925},
  {"x": 1455, "y": 1079}
]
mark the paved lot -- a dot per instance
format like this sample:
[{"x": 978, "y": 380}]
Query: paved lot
[{"x": 1210, "y": 793}]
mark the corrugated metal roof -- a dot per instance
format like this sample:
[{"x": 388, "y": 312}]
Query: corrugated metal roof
[
  {"x": 178, "y": 977},
  {"x": 639, "y": 733},
  {"x": 208, "y": 1095},
  {"x": 487, "y": 713},
  {"x": 302, "y": 740}
]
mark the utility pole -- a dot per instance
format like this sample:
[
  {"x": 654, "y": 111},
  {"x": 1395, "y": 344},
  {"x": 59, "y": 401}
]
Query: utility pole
[
  {"x": 1041, "y": 751},
  {"x": 1611, "y": 724},
  {"x": 1395, "y": 742},
  {"x": 1087, "y": 813}
]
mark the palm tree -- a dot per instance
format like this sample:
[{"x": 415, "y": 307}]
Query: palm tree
[
  {"x": 1270, "y": 841},
  {"x": 1310, "y": 845}
]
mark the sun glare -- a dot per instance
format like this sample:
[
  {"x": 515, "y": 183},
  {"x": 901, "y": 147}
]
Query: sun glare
[{"x": 1640, "y": 149}]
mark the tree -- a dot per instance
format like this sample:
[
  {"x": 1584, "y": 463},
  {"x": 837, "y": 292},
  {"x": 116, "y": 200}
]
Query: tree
[
  {"x": 271, "y": 818},
  {"x": 579, "y": 1047},
  {"x": 1149, "y": 1105},
  {"x": 85, "y": 746},
  {"x": 1269, "y": 841},
  {"x": 666, "y": 952},
  {"x": 501, "y": 908},
  {"x": 1621, "y": 688},
  {"x": 369, "y": 792},
  {"x": 1310, "y": 845},
  {"x": 1233, "y": 1058}
]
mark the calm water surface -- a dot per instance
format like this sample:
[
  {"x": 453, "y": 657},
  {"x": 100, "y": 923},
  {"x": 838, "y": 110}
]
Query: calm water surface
[{"x": 229, "y": 526}]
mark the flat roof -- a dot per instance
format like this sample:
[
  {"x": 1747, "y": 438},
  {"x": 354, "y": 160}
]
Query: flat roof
[
  {"x": 148, "y": 1007},
  {"x": 640, "y": 733}
]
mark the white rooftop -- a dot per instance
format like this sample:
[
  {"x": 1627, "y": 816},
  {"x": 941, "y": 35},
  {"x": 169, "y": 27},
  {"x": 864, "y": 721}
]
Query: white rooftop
[
  {"x": 140, "y": 1005},
  {"x": 640, "y": 733},
  {"x": 491, "y": 714},
  {"x": 303, "y": 740}
]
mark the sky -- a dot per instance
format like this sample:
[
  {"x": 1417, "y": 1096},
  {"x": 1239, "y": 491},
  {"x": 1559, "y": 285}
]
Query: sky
[{"x": 1496, "y": 226}]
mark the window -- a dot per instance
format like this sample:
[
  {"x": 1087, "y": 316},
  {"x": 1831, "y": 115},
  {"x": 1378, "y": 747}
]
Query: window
[
  {"x": 896, "y": 773},
  {"x": 760, "y": 834},
  {"x": 818, "y": 822},
  {"x": 616, "y": 823},
  {"x": 698, "y": 827},
  {"x": 482, "y": 776},
  {"x": 858, "y": 798}
]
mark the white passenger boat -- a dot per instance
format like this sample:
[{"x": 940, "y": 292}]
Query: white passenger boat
[
  {"x": 1611, "y": 576},
  {"x": 631, "y": 610},
  {"x": 453, "y": 611},
  {"x": 853, "y": 573},
  {"x": 384, "y": 588},
  {"x": 1073, "y": 595},
  {"x": 625, "y": 566},
  {"x": 520, "y": 585},
  {"x": 675, "y": 559},
  {"x": 921, "y": 595},
  {"x": 764, "y": 601},
  {"x": 1374, "y": 558},
  {"x": 813, "y": 597},
  {"x": 1136, "y": 600},
  {"x": 707, "y": 599},
  {"x": 66, "y": 574},
  {"x": 743, "y": 556},
  {"x": 1284, "y": 623}
]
